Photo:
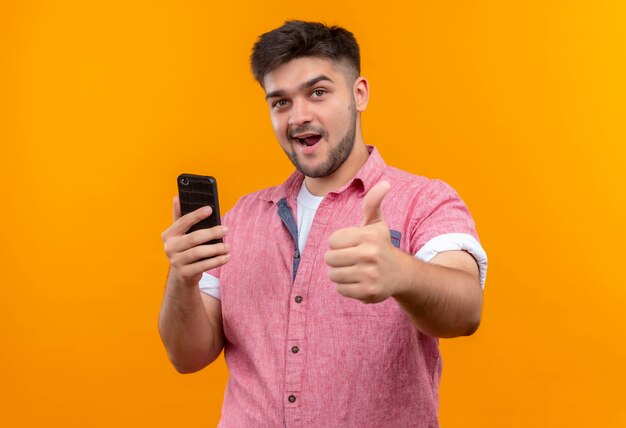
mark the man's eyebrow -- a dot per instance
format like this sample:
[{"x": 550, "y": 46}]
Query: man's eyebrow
[
  {"x": 305, "y": 85},
  {"x": 314, "y": 80},
  {"x": 274, "y": 94}
]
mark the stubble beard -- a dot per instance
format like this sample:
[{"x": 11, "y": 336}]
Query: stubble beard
[{"x": 336, "y": 157}]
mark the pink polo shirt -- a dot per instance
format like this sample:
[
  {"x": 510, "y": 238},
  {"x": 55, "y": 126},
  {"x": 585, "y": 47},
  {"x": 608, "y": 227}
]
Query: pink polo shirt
[{"x": 301, "y": 355}]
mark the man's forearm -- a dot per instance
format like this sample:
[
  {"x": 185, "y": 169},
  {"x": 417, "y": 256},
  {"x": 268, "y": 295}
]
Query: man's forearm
[
  {"x": 192, "y": 339},
  {"x": 441, "y": 301}
]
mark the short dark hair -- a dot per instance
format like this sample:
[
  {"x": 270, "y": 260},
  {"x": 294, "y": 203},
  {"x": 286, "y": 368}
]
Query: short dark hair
[{"x": 296, "y": 39}]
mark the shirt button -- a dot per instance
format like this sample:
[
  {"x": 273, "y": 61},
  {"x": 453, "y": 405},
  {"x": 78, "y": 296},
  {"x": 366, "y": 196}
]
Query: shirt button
[
  {"x": 298, "y": 299},
  {"x": 291, "y": 398},
  {"x": 295, "y": 349},
  {"x": 296, "y": 254}
]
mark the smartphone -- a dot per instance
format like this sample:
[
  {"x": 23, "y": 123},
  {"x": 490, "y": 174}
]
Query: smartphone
[{"x": 196, "y": 191}]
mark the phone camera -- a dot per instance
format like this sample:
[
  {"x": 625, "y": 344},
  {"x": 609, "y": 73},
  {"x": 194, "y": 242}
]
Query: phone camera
[{"x": 184, "y": 181}]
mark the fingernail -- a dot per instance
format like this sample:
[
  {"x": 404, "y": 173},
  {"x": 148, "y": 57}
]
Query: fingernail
[
  {"x": 227, "y": 246},
  {"x": 224, "y": 229},
  {"x": 207, "y": 210}
]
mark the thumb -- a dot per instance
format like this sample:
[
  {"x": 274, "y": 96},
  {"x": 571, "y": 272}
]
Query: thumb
[
  {"x": 372, "y": 201},
  {"x": 176, "y": 210}
]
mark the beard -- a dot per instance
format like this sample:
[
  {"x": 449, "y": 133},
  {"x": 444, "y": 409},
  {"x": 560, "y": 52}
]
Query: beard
[{"x": 337, "y": 155}]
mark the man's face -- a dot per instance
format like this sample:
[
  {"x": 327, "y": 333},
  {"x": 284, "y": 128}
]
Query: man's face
[{"x": 313, "y": 112}]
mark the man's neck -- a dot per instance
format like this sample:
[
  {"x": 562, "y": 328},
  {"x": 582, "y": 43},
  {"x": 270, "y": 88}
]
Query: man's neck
[{"x": 323, "y": 185}]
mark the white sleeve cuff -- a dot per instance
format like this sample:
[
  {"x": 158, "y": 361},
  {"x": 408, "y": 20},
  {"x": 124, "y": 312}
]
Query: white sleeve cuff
[
  {"x": 210, "y": 285},
  {"x": 456, "y": 241}
]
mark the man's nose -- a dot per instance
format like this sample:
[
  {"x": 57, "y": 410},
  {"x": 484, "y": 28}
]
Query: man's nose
[{"x": 300, "y": 113}]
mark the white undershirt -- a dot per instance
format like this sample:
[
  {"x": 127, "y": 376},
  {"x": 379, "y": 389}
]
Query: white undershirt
[{"x": 307, "y": 206}]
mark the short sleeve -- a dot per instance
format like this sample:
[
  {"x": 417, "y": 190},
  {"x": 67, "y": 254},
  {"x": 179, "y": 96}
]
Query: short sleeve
[
  {"x": 446, "y": 224},
  {"x": 210, "y": 285}
]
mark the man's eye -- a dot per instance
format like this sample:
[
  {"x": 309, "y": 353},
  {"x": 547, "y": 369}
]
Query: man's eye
[
  {"x": 279, "y": 103},
  {"x": 318, "y": 93}
]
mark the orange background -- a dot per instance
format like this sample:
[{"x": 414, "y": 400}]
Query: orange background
[{"x": 520, "y": 106}]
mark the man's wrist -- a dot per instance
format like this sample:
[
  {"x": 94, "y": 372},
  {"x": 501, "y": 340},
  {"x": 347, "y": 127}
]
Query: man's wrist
[
  {"x": 177, "y": 284},
  {"x": 408, "y": 271}
]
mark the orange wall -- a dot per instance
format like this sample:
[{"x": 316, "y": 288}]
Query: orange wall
[{"x": 519, "y": 105}]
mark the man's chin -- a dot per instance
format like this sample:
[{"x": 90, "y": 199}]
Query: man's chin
[{"x": 315, "y": 170}]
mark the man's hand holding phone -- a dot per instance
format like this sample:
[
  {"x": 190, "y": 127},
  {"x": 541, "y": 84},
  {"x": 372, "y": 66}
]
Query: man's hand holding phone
[
  {"x": 188, "y": 254},
  {"x": 190, "y": 322}
]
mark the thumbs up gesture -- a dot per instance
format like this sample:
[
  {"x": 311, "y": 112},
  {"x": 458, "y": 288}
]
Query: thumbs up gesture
[{"x": 362, "y": 261}]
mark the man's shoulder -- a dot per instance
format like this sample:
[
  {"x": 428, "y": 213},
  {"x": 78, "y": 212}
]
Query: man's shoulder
[
  {"x": 407, "y": 182},
  {"x": 258, "y": 196},
  {"x": 256, "y": 200}
]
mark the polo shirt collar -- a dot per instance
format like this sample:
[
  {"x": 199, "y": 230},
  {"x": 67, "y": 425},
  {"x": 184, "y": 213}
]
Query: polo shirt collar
[{"x": 369, "y": 174}]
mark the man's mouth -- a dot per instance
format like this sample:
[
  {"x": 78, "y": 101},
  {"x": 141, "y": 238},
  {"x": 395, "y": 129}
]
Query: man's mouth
[{"x": 307, "y": 139}]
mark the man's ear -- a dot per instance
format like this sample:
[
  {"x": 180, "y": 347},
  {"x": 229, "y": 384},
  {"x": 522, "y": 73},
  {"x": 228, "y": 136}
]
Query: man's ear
[{"x": 361, "y": 91}]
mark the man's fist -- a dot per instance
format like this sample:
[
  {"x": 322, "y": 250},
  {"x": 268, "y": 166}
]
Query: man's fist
[{"x": 362, "y": 261}]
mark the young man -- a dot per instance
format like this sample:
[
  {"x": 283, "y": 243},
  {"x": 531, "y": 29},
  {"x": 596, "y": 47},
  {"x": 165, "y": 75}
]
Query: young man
[{"x": 330, "y": 290}]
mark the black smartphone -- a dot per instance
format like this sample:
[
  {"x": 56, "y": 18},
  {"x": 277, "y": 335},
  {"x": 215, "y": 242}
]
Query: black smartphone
[{"x": 196, "y": 191}]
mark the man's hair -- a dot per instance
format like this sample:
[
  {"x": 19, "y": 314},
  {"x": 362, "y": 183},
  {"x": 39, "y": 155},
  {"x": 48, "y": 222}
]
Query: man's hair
[{"x": 297, "y": 39}]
